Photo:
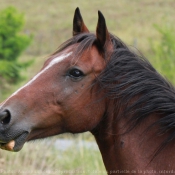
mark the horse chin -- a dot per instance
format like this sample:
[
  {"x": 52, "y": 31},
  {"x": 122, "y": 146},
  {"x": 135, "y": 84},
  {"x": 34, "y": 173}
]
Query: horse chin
[{"x": 16, "y": 144}]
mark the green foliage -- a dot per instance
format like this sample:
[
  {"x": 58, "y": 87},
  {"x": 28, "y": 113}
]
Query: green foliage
[
  {"x": 164, "y": 52},
  {"x": 12, "y": 43}
]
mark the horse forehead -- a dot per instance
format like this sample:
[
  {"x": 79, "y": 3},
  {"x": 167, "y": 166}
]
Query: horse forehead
[
  {"x": 90, "y": 58},
  {"x": 93, "y": 59}
]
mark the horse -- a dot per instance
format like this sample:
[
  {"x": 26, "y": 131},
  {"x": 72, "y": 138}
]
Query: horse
[{"x": 94, "y": 82}]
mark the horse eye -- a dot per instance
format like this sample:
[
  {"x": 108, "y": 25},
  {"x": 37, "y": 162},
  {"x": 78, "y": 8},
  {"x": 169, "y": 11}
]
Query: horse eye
[{"x": 75, "y": 73}]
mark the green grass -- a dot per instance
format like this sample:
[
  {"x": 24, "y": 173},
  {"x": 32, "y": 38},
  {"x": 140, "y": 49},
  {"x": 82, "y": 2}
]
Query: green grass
[
  {"x": 42, "y": 157},
  {"x": 50, "y": 22},
  {"x": 164, "y": 51}
]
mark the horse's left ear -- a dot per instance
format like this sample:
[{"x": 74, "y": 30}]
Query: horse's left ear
[
  {"x": 78, "y": 23},
  {"x": 103, "y": 36}
]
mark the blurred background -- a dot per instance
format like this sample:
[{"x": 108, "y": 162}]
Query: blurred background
[{"x": 40, "y": 27}]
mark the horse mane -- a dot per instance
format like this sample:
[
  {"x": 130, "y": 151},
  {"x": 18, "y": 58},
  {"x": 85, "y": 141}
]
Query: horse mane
[{"x": 127, "y": 76}]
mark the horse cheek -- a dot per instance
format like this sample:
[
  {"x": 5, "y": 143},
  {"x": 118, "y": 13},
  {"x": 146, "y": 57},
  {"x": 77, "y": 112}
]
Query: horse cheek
[{"x": 82, "y": 118}]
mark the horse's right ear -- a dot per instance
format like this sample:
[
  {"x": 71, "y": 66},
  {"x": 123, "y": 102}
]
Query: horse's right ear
[{"x": 78, "y": 23}]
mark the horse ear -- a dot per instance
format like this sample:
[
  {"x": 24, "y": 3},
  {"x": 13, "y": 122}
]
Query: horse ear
[
  {"x": 78, "y": 23},
  {"x": 103, "y": 36}
]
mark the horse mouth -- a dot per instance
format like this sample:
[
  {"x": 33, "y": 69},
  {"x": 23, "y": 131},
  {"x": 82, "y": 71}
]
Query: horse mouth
[{"x": 15, "y": 144}]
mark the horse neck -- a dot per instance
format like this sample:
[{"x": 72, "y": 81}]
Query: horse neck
[{"x": 132, "y": 152}]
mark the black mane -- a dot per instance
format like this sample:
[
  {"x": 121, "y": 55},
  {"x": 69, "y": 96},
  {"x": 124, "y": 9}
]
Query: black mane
[{"x": 128, "y": 75}]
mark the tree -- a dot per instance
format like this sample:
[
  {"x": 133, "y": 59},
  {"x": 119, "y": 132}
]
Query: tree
[{"x": 12, "y": 43}]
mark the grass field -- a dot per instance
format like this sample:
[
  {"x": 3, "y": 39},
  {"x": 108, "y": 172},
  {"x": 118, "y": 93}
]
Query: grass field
[
  {"x": 43, "y": 158},
  {"x": 50, "y": 22}
]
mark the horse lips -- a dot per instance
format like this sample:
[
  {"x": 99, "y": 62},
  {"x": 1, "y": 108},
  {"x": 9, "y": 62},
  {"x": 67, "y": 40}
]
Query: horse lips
[{"x": 9, "y": 146}]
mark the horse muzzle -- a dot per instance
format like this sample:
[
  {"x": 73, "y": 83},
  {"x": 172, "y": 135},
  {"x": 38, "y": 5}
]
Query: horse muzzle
[
  {"x": 15, "y": 144},
  {"x": 12, "y": 136}
]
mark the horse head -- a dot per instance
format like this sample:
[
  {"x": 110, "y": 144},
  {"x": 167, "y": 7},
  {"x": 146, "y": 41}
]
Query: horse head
[{"x": 63, "y": 96}]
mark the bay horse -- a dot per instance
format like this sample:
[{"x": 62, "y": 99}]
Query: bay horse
[{"x": 95, "y": 83}]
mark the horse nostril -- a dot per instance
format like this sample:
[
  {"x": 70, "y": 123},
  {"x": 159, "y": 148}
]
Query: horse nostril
[{"x": 5, "y": 117}]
